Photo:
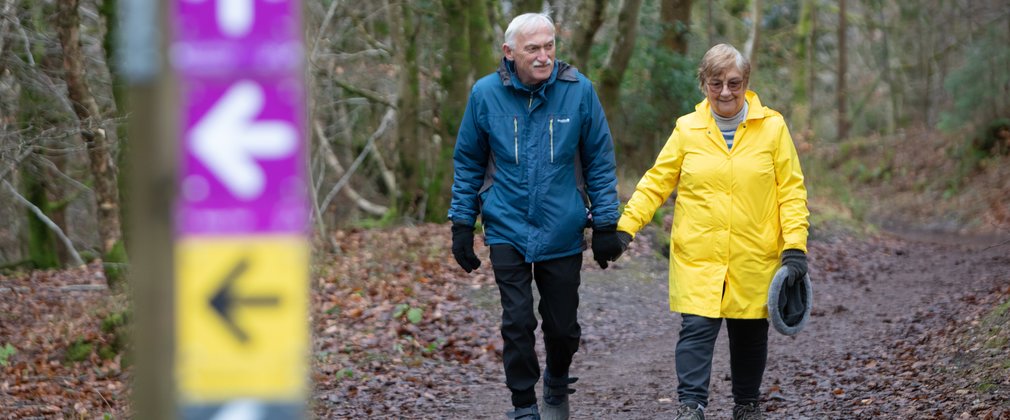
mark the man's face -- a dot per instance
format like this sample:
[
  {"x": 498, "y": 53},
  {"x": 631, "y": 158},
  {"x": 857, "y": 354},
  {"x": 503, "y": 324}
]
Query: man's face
[
  {"x": 726, "y": 92},
  {"x": 533, "y": 55}
]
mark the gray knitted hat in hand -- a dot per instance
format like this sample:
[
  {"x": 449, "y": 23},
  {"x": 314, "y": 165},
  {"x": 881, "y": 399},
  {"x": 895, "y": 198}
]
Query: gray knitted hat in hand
[{"x": 789, "y": 307}]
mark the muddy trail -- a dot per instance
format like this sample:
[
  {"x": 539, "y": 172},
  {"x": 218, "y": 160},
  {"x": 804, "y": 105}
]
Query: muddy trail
[
  {"x": 886, "y": 339},
  {"x": 904, "y": 326}
]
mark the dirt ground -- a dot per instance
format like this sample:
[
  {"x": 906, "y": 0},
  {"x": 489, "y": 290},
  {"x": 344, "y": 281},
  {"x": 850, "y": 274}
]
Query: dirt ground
[
  {"x": 874, "y": 348},
  {"x": 907, "y": 325}
]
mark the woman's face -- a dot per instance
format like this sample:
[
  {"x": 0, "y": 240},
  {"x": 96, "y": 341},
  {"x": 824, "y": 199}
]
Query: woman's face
[{"x": 725, "y": 92}]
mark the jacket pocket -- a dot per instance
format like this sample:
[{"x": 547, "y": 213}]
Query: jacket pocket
[
  {"x": 562, "y": 138},
  {"x": 505, "y": 139}
]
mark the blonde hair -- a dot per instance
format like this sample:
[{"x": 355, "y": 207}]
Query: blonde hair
[
  {"x": 718, "y": 60},
  {"x": 524, "y": 23}
]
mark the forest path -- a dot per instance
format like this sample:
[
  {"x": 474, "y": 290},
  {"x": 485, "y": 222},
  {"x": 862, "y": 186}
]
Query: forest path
[{"x": 880, "y": 303}]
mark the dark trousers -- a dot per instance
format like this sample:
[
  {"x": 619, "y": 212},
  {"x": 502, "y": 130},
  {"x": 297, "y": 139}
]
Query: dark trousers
[
  {"x": 748, "y": 353},
  {"x": 558, "y": 282}
]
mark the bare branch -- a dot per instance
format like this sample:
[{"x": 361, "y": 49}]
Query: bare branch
[
  {"x": 322, "y": 30},
  {"x": 6, "y": 10},
  {"x": 387, "y": 121},
  {"x": 47, "y": 221},
  {"x": 331, "y": 159},
  {"x": 1006, "y": 242},
  {"x": 334, "y": 246},
  {"x": 372, "y": 96},
  {"x": 17, "y": 161},
  {"x": 52, "y": 167},
  {"x": 348, "y": 56},
  {"x": 27, "y": 43}
]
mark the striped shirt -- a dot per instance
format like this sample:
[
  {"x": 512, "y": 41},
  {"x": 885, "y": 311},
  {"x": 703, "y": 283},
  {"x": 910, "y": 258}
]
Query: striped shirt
[{"x": 727, "y": 126}]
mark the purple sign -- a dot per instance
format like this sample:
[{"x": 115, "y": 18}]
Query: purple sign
[
  {"x": 242, "y": 163},
  {"x": 228, "y": 37}
]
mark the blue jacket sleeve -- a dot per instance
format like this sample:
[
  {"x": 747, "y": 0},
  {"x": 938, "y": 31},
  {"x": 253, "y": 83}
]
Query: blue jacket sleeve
[
  {"x": 598, "y": 163},
  {"x": 469, "y": 159}
]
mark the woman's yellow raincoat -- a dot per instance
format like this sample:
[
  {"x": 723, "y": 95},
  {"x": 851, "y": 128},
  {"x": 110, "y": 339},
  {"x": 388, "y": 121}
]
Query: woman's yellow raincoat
[{"x": 736, "y": 210}]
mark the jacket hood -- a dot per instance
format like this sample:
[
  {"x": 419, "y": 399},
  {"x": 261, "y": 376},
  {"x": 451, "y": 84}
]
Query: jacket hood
[{"x": 562, "y": 71}]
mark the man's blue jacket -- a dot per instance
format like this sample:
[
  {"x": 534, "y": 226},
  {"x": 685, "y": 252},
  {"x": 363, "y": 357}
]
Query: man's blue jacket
[{"x": 517, "y": 157}]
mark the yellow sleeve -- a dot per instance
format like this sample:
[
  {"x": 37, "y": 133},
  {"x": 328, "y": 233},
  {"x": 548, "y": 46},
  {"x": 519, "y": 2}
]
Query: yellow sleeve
[
  {"x": 792, "y": 195},
  {"x": 655, "y": 186}
]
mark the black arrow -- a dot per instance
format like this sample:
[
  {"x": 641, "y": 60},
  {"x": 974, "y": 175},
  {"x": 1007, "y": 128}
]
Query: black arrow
[{"x": 225, "y": 301}]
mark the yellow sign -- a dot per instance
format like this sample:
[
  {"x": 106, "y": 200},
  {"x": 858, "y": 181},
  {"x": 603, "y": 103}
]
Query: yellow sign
[{"x": 242, "y": 317}]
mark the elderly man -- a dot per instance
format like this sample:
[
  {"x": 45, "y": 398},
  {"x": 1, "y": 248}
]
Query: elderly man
[{"x": 534, "y": 158}]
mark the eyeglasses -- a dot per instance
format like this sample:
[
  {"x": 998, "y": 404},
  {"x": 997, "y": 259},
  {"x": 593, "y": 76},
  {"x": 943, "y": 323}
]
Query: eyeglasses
[{"x": 734, "y": 85}]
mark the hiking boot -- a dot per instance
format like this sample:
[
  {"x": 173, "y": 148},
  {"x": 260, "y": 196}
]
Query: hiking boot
[
  {"x": 556, "y": 392},
  {"x": 524, "y": 413},
  {"x": 749, "y": 411},
  {"x": 691, "y": 411}
]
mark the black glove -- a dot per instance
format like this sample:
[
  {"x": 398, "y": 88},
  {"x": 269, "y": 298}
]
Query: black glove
[
  {"x": 608, "y": 244},
  {"x": 462, "y": 247},
  {"x": 796, "y": 261}
]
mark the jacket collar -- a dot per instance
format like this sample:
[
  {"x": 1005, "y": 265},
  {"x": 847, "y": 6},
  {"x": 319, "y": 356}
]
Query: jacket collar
[
  {"x": 562, "y": 71},
  {"x": 702, "y": 117}
]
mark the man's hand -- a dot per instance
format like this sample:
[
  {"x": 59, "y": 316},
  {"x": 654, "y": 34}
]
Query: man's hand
[
  {"x": 609, "y": 244},
  {"x": 462, "y": 247},
  {"x": 796, "y": 261}
]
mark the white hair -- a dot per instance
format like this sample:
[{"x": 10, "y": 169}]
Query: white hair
[{"x": 524, "y": 23}]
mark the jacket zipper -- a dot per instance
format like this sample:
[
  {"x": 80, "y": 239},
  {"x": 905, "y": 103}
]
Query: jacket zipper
[
  {"x": 515, "y": 136},
  {"x": 551, "y": 130}
]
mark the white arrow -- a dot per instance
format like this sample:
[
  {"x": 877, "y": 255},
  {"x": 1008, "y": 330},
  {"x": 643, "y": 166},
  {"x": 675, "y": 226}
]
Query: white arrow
[
  {"x": 235, "y": 17},
  {"x": 228, "y": 140},
  {"x": 240, "y": 410}
]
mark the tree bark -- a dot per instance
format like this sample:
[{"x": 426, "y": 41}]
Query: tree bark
[
  {"x": 754, "y": 35},
  {"x": 710, "y": 28},
  {"x": 802, "y": 66},
  {"x": 620, "y": 55},
  {"x": 53, "y": 227},
  {"x": 455, "y": 68},
  {"x": 481, "y": 41},
  {"x": 843, "y": 121},
  {"x": 411, "y": 165},
  {"x": 590, "y": 18},
  {"x": 527, "y": 6},
  {"x": 99, "y": 139},
  {"x": 676, "y": 18}
]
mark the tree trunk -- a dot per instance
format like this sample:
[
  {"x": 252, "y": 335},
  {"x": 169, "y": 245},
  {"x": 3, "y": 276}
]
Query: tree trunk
[
  {"x": 455, "y": 67},
  {"x": 620, "y": 55},
  {"x": 754, "y": 36},
  {"x": 812, "y": 69},
  {"x": 42, "y": 245},
  {"x": 803, "y": 66},
  {"x": 408, "y": 127},
  {"x": 98, "y": 139},
  {"x": 590, "y": 18},
  {"x": 527, "y": 6},
  {"x": 885, "y": 64},
  {"x": 843, "y": 121},
  {"x": 710, "y": 27},
  {"x": 480, "y": 38},
  {"x": 676, "y": 18}
]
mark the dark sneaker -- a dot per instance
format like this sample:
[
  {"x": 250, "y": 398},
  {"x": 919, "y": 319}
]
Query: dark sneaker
[
  {"x": 556, "y": 392},
  {"x": 691, "y": 411},
  {"x": 524, "y": 413},
  {"x": 749, "y": 411}
]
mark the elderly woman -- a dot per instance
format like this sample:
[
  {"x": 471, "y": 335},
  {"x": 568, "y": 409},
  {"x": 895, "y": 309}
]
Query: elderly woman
[{"x": 740, "y": 212}]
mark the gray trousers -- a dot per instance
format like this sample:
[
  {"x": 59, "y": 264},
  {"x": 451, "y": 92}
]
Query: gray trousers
[{"x": 748, "y": 353}]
